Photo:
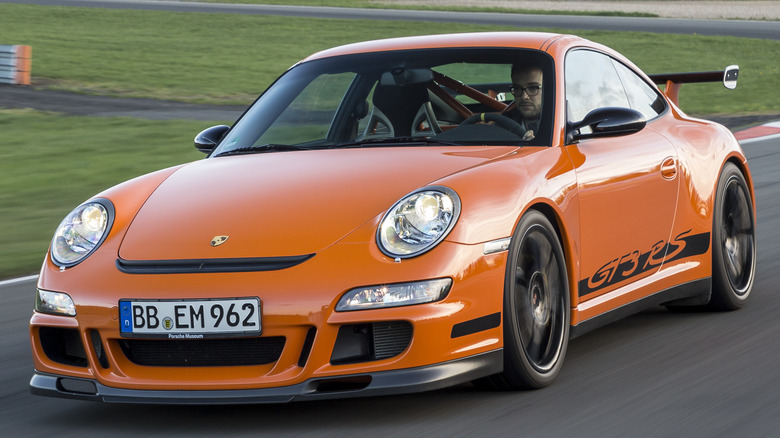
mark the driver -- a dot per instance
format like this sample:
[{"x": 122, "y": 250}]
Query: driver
[{"x": 527, "y": 89}]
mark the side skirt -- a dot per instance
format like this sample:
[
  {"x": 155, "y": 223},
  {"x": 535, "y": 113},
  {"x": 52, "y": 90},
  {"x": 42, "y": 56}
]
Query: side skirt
[{"x": 694, "y": 293}]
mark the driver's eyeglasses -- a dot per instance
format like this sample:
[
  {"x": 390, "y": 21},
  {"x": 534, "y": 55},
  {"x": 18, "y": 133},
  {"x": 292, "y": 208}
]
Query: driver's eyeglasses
[{"x": 532, "y": 90}]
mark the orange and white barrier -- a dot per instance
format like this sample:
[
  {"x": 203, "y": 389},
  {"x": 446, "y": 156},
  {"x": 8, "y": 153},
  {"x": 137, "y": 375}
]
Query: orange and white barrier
[{"x": 15, "y": 64}]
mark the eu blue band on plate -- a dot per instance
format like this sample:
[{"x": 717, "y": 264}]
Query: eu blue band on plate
[{"x": 125, "y": 317}]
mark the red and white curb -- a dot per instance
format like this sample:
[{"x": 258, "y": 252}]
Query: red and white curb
[{"x": 761, "y": 132}]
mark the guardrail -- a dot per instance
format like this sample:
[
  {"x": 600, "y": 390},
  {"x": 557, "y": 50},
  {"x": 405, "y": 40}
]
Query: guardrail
[{"x": 15, "y": 63}]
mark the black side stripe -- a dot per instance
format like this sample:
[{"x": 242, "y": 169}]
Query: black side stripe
[
  {"x": 634, "y": 263},
  {"x": 476, "y": 325}
]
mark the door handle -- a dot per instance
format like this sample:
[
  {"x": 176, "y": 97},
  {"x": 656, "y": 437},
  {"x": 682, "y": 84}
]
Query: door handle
[{"x": 669, "y": 168}]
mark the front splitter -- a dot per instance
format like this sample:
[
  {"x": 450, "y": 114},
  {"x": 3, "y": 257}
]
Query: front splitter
[{"x": 402, "y": 381}]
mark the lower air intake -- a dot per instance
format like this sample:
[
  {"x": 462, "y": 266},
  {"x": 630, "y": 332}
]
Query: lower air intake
[
  {"x": 372, "y": 341},
  {"x": 391, "y": 338},
  {"x": 203, "y": 352},
  {"x": 63, "y": 346}
]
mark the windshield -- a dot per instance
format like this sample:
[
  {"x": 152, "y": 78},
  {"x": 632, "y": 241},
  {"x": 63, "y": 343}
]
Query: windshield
[{"x": 435, "y": 96}]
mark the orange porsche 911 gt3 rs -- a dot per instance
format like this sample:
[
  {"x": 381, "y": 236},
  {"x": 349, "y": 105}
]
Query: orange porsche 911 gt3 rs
[{"x": 396, "y": 216}]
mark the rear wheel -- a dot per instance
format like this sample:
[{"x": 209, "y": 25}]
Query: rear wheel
[
  {"x": 536, "y": 307},
  {"x": 733, "y": 241}
]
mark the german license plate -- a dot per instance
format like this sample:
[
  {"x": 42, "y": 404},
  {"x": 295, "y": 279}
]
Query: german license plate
[{"x": 190, "y": 319}]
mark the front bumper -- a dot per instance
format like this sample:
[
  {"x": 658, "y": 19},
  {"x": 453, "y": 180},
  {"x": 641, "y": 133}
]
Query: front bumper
[{"x": 410, "y": 380}]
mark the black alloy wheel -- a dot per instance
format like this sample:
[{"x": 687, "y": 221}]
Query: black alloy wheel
[
  {"x": 536, "y": 307},
  {"x": 733, "y": 241}
]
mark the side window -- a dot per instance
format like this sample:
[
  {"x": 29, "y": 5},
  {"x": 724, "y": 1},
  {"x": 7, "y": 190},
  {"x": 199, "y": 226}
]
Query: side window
[
  {"x": 591, "y": 82},
  {"x": 643, "y": 97}
]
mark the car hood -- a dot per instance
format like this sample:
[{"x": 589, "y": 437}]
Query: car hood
[{"x": 284, "y": 203}]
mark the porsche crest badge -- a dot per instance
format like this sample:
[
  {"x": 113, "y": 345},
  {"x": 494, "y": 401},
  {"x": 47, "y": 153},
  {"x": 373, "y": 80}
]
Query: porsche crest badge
[{"x": 219, "y": 240}]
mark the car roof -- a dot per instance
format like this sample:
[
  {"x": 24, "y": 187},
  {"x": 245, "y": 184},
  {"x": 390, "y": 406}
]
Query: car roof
[{"x": 531, "y": 40}]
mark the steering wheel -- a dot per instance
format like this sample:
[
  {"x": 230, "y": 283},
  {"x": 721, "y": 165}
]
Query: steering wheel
[{"x": 500, "y": 120}]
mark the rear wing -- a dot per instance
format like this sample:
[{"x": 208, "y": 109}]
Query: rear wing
[{"x": 674, "y": 80}]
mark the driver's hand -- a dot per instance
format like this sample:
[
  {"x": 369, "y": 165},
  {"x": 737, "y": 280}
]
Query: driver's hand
[{"x": 529, "y": 135}]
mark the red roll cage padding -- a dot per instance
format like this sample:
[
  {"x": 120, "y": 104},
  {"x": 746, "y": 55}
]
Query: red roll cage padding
[{"x": 461, "y": 88}]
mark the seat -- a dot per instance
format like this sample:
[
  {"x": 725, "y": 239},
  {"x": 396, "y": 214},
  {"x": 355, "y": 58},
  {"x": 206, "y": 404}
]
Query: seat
[{"x": 402, "y": 109}]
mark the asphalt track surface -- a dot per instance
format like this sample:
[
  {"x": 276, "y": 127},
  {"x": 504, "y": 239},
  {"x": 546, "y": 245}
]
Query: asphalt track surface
[
  {"x": 656, "y": 373},
  {"x": 739, "y": 28}
]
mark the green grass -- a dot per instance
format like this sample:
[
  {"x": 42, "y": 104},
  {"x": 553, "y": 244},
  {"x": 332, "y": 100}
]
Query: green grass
[
  {"x": 369, "y": 4},
  {"x": 230, "y": 58},
  {"x": 50, "y": 163}
]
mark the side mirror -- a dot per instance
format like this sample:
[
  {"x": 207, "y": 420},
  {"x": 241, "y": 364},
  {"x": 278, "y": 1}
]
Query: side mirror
[
  {"x": 209, "y": 138},
  {"x": 607, "y": 122},
  {"x": 730, "y": 75}
]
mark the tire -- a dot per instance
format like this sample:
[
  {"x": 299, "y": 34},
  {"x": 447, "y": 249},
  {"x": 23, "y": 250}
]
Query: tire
[
  {"x": 733, "y": 241},
  {"x": 536, "y": 308}
]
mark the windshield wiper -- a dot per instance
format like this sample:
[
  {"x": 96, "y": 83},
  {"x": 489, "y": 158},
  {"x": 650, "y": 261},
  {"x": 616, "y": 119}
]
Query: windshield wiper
[
  {"x": 400, "y": 141},
  {"x": 272, "y": 147}
]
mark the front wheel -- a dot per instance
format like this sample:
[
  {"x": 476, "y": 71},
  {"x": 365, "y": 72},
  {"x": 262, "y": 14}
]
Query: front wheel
[
  {"x": 536, "y": 307},
  {"x": 733, "y": 241}
]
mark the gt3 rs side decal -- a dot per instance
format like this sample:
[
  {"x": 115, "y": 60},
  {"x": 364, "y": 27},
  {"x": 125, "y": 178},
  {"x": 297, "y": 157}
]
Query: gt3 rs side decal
[{"x": 635, "y": 263}]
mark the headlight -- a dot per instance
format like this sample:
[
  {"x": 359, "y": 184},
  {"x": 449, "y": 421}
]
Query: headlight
[
  {"x": 81, "y": 232},
  {"x": 54, "y": 302},
  {"x": 394, "y": 295},
  {"x": 418, "y": 222}
]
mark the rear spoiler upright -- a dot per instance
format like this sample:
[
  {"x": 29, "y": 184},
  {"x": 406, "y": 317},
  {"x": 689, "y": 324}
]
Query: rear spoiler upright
[{"x": 674, "y": 80}]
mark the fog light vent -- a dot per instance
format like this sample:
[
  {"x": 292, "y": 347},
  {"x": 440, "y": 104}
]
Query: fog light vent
[
  {"x": 63, "y": 346},
  {"x": 391, "y": 338},
  {"x": 371, "y": 341}
]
